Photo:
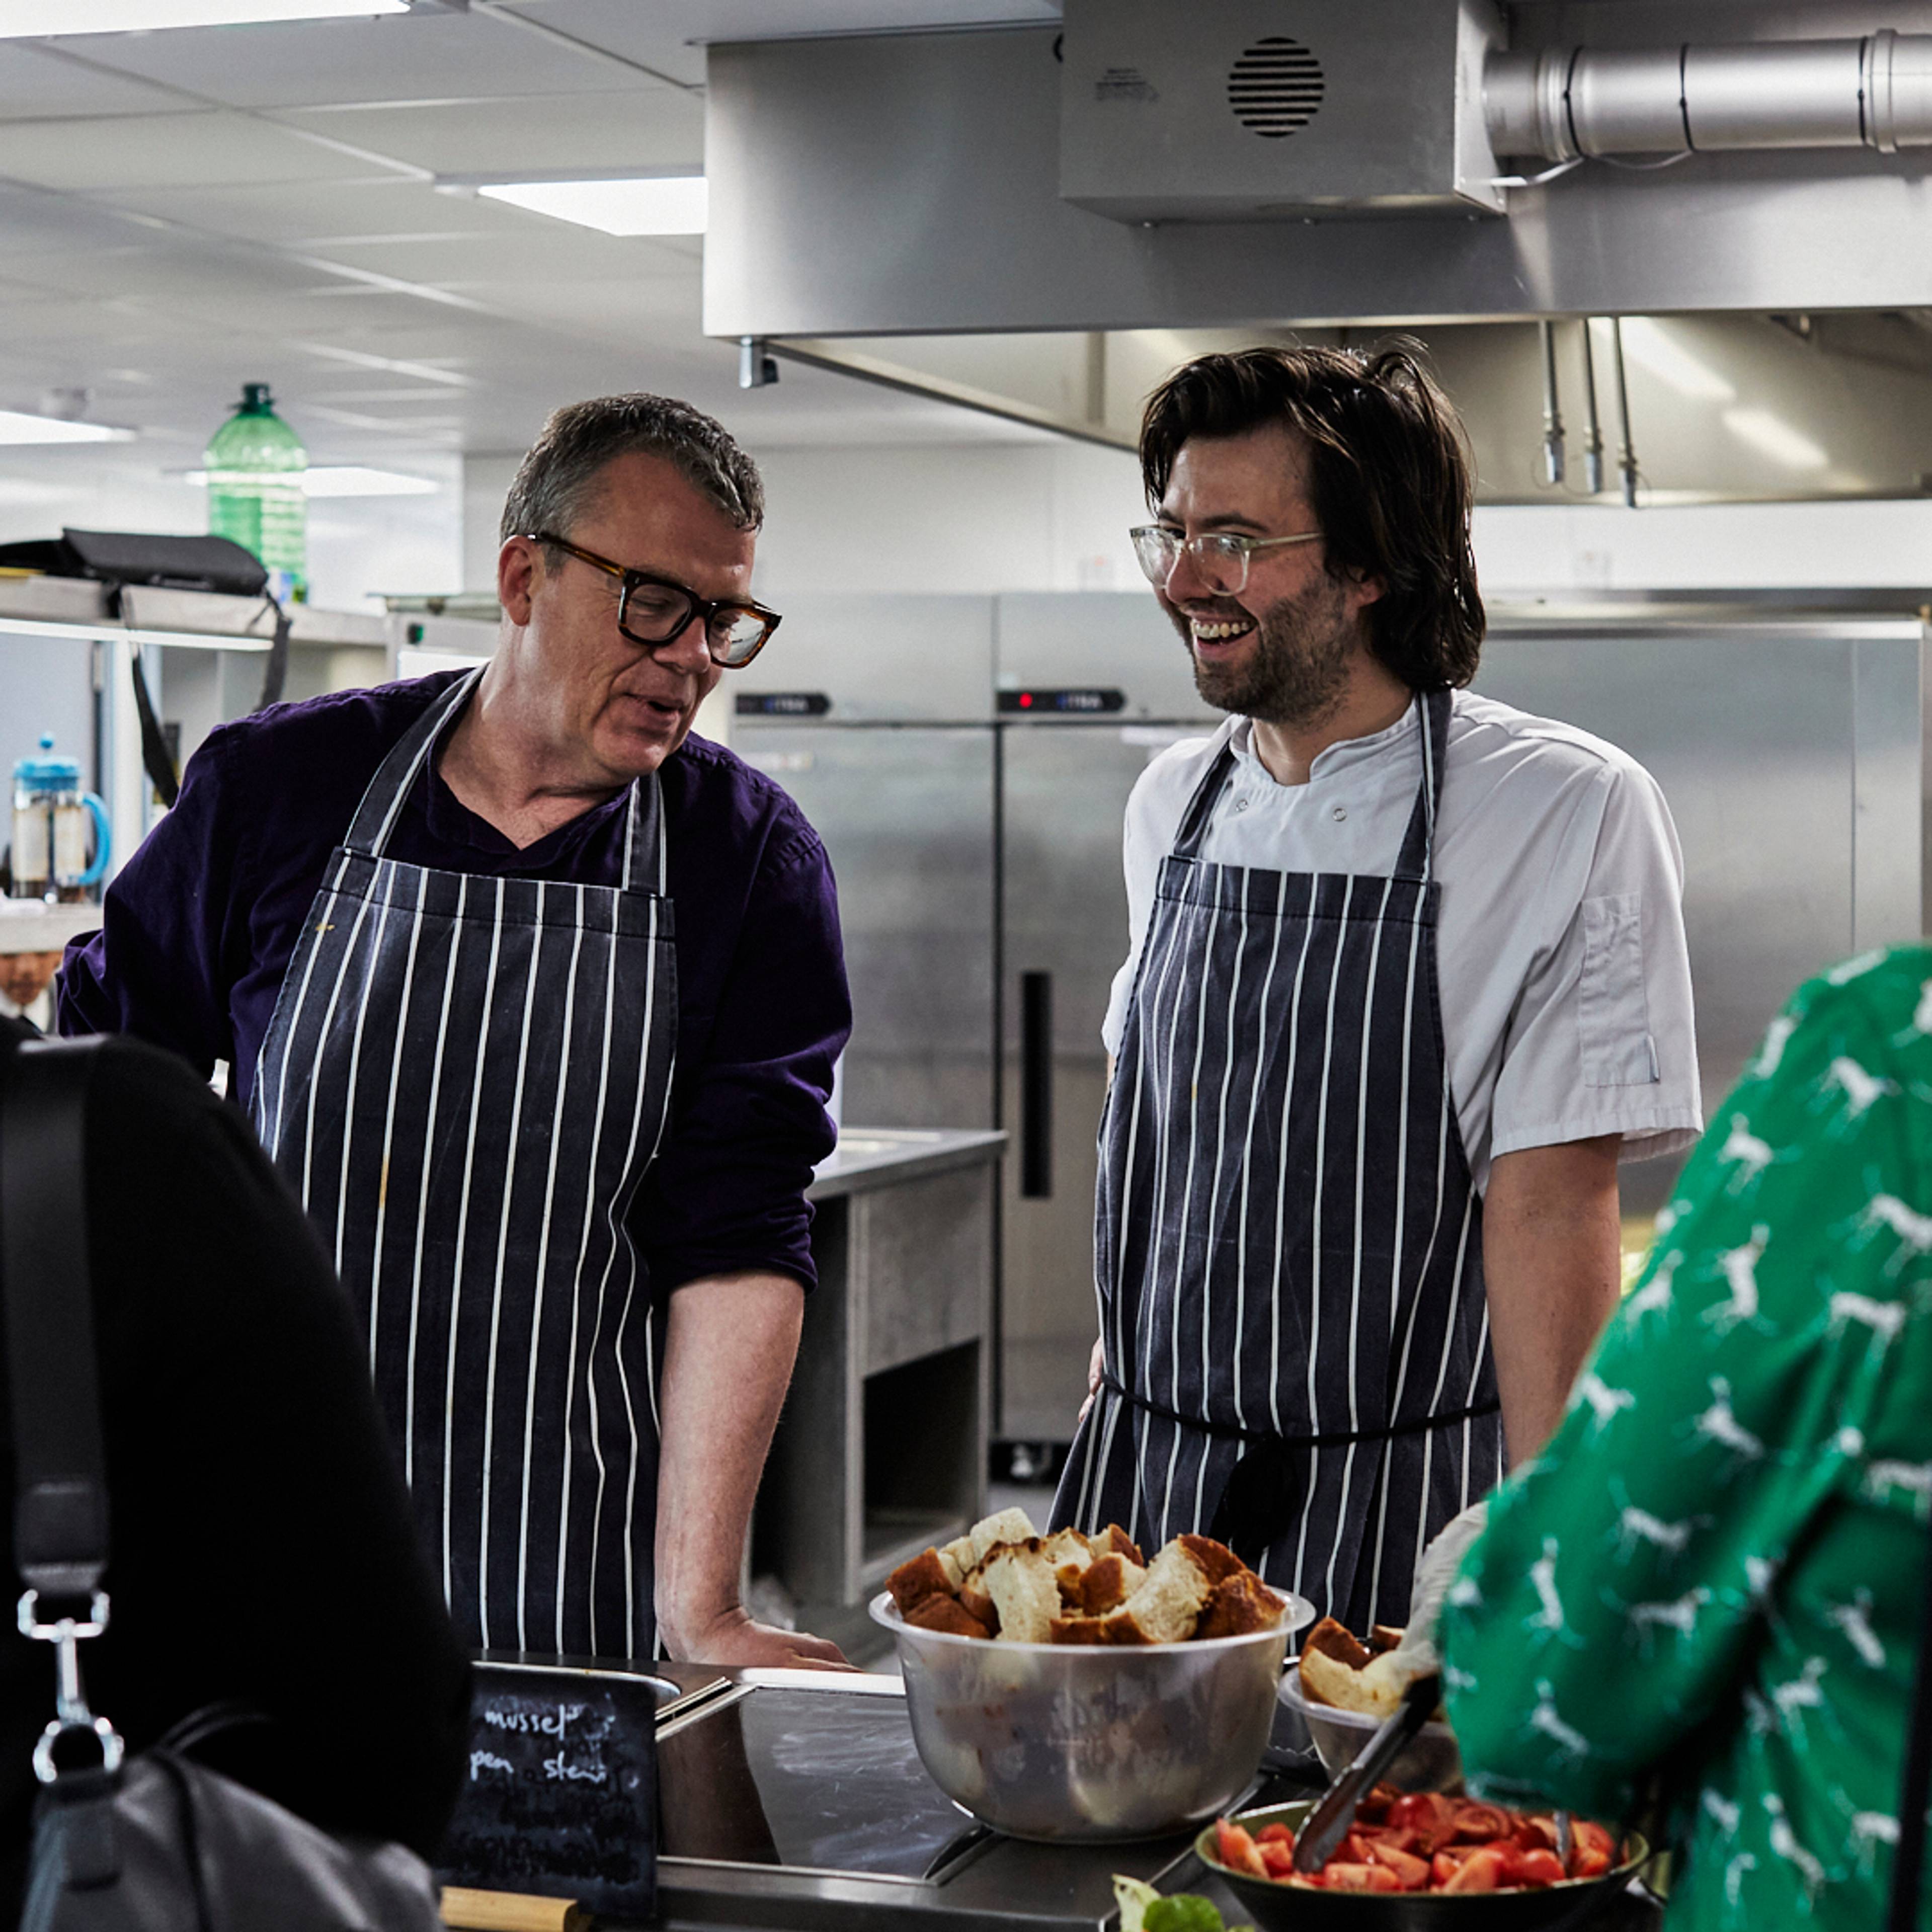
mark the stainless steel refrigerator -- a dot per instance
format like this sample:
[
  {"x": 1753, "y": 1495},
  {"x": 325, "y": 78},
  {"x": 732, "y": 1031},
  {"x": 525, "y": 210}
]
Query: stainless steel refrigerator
[{"x": 966, "y": 761}]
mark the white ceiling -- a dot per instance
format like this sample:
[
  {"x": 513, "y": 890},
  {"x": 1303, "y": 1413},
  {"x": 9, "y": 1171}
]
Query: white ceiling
[{"x": 183, "y": 210}]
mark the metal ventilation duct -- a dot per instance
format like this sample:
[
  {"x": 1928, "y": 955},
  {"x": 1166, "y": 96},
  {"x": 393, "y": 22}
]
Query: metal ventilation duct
[{"x": 1565, "y": 103}]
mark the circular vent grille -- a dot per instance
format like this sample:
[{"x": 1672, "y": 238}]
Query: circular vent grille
[{"x": 1275, "y": 88}]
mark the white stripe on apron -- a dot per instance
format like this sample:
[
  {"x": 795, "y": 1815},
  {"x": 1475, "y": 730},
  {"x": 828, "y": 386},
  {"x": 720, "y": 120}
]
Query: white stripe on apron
[
  {"x": 1295, "y": 1328},
  {"x": 468, "y": 1079}
]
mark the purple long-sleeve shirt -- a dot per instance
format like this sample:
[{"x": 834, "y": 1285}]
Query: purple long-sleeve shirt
[{"x": 199, "y": 929}]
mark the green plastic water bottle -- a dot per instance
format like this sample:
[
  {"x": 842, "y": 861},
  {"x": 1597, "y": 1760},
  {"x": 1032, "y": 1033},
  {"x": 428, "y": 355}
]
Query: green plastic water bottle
[{"x": 256, "y": 465}]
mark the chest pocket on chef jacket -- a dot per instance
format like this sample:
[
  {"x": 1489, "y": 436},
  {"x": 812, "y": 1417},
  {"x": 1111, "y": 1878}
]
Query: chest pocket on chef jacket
[{"x": 1612, "y": 1009}]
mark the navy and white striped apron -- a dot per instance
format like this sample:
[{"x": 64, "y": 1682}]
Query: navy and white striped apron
[
  {"x": 1287, "y": 1242},
  {"x": 466, "y": 1078}
]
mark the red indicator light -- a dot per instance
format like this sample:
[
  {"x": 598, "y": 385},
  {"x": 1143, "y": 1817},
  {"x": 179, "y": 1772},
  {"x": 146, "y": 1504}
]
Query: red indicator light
[{"x": 1026, "y": 700}]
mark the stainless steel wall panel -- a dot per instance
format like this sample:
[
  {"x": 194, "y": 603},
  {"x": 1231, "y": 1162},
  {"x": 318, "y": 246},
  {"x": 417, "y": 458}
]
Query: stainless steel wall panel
[
  {"x": 1888, "y": 808},
  {"x": 1752, "y": 731},
  {"x": 1119, "y": 638},
  {"x": 882, "y": 659}
]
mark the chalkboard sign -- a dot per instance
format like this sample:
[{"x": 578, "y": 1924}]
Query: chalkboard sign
[{"x": 561, "y": 1795}]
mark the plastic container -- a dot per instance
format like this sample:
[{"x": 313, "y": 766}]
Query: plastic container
[
  {"x": 1433, "y": 1762},
  {"x": 1064, "y": 1742},
  {"x": 256, "y": 467}
]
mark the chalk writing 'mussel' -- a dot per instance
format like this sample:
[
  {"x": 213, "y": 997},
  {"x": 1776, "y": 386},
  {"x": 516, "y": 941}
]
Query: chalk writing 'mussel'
[{"x": 550, "y": 1723}]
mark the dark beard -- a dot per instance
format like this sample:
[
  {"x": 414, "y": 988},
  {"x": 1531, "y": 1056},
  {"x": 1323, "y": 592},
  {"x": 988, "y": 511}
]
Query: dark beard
[{"x": 1298, "y": 668}]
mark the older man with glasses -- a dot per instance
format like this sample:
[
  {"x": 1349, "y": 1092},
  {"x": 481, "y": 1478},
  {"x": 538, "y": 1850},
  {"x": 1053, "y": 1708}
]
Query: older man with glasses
[{"x": 534, "y": 998}]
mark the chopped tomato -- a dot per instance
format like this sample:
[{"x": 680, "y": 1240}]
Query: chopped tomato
[
  {"x": 1413, "y": 1872},
  {"x": 1445, "y": 1865},
  {"x": 1482, "y": 1870},
  {"x": 1278, "y": 1855},
  {"x": 1482, "y": 1824},
  {"x": 1539, "y": 1867},
  {"x": 1276, "y": 1834},
  {"x": 1426, "y": 1813},
  {"x": 1593, "y": 1852},
  {"x": 1535, "y": 1834},
  {"x": 1238, "y": 1851},
  {"x": 1359, "y": 1878}
]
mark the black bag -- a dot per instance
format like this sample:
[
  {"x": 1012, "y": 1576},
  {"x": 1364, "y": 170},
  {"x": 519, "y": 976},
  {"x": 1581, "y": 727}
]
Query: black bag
[
  {"x": 143, "y": 557},
  {"x": 160, "y": 1843}
]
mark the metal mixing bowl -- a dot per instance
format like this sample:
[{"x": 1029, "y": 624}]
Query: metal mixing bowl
[{"x": 1064, "y": 1741}]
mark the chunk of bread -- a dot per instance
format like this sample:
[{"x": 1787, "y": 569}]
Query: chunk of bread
[
  {"x": 976, "y": 1603},
  {"x": 1106, "y": 1583},
  {"x": 1339, "y": 1671},
  {"x": 1113, "y": 1630},
  {"x": 1383, "y": 1636},
  {"x": 1163, "y": 1608},
  {"x": 1216, "y": 1560},
  {"x": 1010, "y": 1525},
  {"x": 961, "y": 1554},
  {"x": 1337, "y": 1643},
  {"x": 1240, "y": 1603},
  {"x": 1116, "y": 1539},
  {"x": 1021, "y": 1582},
  {"x": 924, "y": 1576},
  {"x": 948, "y": 1614}
]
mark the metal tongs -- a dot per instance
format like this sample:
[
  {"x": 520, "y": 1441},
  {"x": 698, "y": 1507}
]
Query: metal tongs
[{"x": 1328, "y": 1823}]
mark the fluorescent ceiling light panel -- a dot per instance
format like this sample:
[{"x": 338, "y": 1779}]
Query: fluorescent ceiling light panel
[
  {"x": 346, "y": 479},
  {"x": 18, "y": 426},
  {"x": 1654, "y": 349},
  {"x": 21, "y": 19},
  {"x": 657, "y": 205},
  {"x": 1771, "y": 436}
]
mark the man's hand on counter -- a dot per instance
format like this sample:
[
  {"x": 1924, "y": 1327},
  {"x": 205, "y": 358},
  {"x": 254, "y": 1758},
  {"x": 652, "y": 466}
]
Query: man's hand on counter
[
  {"x": 732, "y": 1637},
  {"x": 729, "y": 1344}
]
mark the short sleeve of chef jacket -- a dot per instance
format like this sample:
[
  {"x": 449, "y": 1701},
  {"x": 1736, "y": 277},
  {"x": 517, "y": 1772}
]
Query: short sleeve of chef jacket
[{"x": 1563, "y": 978}]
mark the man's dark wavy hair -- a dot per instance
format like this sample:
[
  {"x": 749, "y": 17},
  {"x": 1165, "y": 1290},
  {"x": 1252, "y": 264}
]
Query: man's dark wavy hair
[{"x": 1390, "y": 476}]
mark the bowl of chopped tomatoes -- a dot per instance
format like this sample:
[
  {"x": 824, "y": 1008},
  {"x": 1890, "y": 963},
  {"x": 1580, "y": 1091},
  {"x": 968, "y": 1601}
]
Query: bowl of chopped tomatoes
[{"x": 1420, "y": 1861}]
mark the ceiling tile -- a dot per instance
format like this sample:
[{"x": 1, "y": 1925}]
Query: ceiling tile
[
  {"x": 301, "y": 214},
  {"x": 547, "y": 248},
  {"x": 304, "y": 63},
  {"x": 653, "y": 127},
  {"x": 38, "y": 85},
  {"x": 151, "y": 151}
]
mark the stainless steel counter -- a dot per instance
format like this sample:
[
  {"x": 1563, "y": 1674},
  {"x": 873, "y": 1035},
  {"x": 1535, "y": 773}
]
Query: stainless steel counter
[{"x": 882, "y": 1156}]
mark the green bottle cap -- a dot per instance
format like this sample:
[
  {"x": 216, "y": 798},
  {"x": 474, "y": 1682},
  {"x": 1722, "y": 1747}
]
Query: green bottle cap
[{"x": 255, "y": 399}]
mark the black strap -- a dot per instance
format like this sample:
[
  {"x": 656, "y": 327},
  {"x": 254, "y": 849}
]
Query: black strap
[
  {"x": 1915, "y": 1787},
  {"x": 1334, "y": 1439},
  {"x": 154, "y": 753},
  {"x": 60, "y": 1512},
  {"x": 275, "y": 672}
]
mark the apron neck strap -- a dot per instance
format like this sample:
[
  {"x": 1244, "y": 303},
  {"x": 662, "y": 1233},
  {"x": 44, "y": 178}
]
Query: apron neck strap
[
  {"x": 1201, "y": 806},
  {"x": 382, "y": 804},
  {"x": 645, "y": 867},
  {"x": 644, "y": 857},
  {"x": 1418, "y": 842}
]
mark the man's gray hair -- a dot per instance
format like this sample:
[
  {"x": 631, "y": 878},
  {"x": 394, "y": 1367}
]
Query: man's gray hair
[{"x": 557, "y": 482}]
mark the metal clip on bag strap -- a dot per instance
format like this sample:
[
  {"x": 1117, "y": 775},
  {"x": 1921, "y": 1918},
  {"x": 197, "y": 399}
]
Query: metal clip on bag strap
[{"x": 60, "y": 1513}]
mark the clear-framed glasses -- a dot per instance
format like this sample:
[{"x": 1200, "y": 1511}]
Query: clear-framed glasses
[
  {"x": 651, "y": 610},
  {"x": 1220, "y": 558}
]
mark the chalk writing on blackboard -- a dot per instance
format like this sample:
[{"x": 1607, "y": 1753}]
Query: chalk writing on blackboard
[{"x": 561, "y": 1798}]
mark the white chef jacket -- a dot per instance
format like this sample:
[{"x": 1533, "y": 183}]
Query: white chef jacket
[{"x": 1564, "y": 977}]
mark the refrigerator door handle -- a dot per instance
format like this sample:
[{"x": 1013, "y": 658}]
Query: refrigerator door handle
[{"x": 1036, "y": 1086}]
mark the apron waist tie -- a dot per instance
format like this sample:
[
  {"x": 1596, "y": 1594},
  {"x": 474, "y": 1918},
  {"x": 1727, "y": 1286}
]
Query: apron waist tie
[{"x": 1334, "y": 1439}]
